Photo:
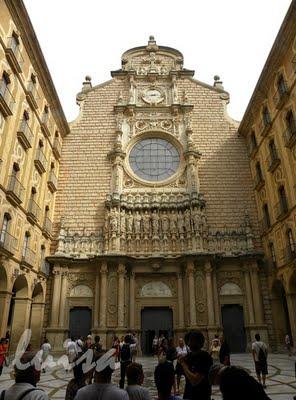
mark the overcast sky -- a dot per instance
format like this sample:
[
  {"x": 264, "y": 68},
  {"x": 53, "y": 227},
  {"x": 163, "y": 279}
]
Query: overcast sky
[{"x": 231, "y": 38}]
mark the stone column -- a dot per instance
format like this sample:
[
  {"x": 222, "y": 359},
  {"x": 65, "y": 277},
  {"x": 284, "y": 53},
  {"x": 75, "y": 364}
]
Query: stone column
[
  {"x": 257, "y": 299},
  {"x": 216, "y": 298},
  {"x": 20, "y": 319},
  {"x": 97, "y": 301},
  {"x": 210, "y": 298},
  {"x": 291, "y": 303},
  {"x": 103, "y": 298},
  {"x": 37, "y": 316},
  {"x": 64, "y": 288},
  {"x": 55, "y": 306},
  {"x": 191, "y": 286},
  {"x": 132, "y": 301},
  {"x": 5, "y": 298},
  {"x": 181, "y": 301},
  {"x": 121, "y": 280},
  {"x": 249, "y": 295}
]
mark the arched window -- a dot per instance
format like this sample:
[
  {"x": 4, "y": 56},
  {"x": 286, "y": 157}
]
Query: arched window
[
  {"x": 291, "y": 243},
  {"x": 283, "y": 199},
  {"x": 26, "y": 243},
  {"x": 266, "y": 116},
  {"x": 266, "y": 217},
  {"x": 5, "y": 226},
  {"x": 281, "y": 85}
]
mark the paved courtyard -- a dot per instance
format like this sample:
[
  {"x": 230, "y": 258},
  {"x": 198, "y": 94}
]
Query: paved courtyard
[{"x": 281, "y": 384}]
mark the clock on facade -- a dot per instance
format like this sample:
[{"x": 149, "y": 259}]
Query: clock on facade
[{"x": 152, "y": 96}]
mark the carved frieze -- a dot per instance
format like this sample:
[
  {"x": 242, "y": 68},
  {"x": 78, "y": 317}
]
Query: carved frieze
[{"x": 112, "y": 299}]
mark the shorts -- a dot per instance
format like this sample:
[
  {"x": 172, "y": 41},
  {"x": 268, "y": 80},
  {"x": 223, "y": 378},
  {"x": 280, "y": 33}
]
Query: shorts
[{"x": 261, "y": 368}]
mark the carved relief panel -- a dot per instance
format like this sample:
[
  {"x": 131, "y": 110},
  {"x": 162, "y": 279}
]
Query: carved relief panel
[
  {"x": 112, "y": 299},
  {"x": 201, "y": 302}
]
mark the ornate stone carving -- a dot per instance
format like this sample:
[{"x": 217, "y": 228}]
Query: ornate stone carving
[
  {"x": 200, "y": 298},
  {"x": 112, "y": 299},
  {"x": 156, "y": 289},
  {"x": 76, "y": 280},
  {"x": 81, "y": 291},
  {"x": 224, "y": 277}
]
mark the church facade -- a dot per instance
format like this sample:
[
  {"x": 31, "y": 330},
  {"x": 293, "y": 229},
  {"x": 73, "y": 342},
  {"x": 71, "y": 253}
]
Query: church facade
[{"x": 155, "y": 216}]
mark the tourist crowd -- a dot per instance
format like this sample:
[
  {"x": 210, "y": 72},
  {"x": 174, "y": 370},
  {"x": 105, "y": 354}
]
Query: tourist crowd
[{"x": 201, "y": 370}]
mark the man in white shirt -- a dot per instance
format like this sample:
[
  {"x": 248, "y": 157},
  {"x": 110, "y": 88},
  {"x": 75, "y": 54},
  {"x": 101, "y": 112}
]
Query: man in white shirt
[
  {"x": 259, "y": 351},
  {"x": 71, "y": 350},
  {"x": 25, "y": 383},
  {"x": 79, "y": 346}
]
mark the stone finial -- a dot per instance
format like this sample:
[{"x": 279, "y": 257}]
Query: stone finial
[
  {"x": 152, "y": 46},
  {"x": 218, "y": 83},
  {"x": 86, "y": 85}
]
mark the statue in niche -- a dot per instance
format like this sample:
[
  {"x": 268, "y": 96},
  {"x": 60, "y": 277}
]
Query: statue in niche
[
  {"x": 196, "y": 219},
  {"x": 146, "y": 223},
  {"x": 187, "y": 221},
  {"x": 137, "y": 223},
  {"x": 155, "y": 223},
  {"x": 132, "y": 91},
  {"x": 180, "y": 223},
  {"x": 165, "y": 223},
  {"x": 114, "y": 221},
  {"x": 122, "y": 223},
  {"x": 129, "y": 222},
  {"x": 174, "y": 90},
  {"x": 106, "y": 225},
  {"x": 173, "y": 222}
]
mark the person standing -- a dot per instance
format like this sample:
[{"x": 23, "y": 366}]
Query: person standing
[
  {"x": 71, "y": 350},
  {"x": 224, "y": 354},
  {"x": 196, "y": 366},
  {"x": 2, "y": 354},
  {"x": 259, "y": 351},
  {"x": 182, "y": 351},
  {"x": 135, "y": 379},
  {"x": 76, "y": 383},
  {"x": 288, "y": 345},
  {"x": 125, "y": 358},
  {"x": 79, "y": 346},
  {"x": 135, "y": 346},
  {"x": 164, "y": 378},
  {"x": 215, "y": 351},
  {"x": 155, "y": 345}
]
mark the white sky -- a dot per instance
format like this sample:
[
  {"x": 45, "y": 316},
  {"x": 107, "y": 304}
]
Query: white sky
[{"x": 231, "y": 38}]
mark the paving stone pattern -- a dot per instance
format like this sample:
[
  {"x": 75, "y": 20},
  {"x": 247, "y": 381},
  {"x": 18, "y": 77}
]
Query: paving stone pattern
[{"x": 281, "y": 384}]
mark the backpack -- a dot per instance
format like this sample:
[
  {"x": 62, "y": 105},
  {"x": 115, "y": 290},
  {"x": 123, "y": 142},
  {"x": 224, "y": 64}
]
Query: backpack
[
  {"x": 262, "y": 355},
  {"x": 125, "y": 353}
]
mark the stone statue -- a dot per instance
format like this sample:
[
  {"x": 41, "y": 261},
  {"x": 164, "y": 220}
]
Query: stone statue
[
  {"x": 155, "y": 223},
  {"x": 137, "y": 222},
  {"x": 180, "y": 222},
  {"x": 173, "y": 222},
  {"x": 129, "y": 222},
  {"x": 174, "y": 90},
  {"x": 132, "y": 91},
  {"x": 187, "y": 221},
  {"x": 146, "y": 223},
  {"x": 165, "y": 223},
  {"x": 122, "y": 223},
  {"x": 114, "y": 221},
  {"x": 196, "y": 219}
]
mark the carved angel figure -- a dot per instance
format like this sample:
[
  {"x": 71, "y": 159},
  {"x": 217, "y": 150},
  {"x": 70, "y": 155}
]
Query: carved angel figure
[{"x": 173, "y": 222}]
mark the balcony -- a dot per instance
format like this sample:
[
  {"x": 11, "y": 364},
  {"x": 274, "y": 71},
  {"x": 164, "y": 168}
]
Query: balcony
[
  {"x": 15, "y": 191},
  {"x": 52, "y": 182},
  {"x": 290, "y": 135},
  {"x": 7, "y": 243},
  {"x": 45, "y": 267},
  {"x": 57, "y": 148},
  {"x": 289, "y": 253},
  {"x": 273, "y": 161},
  {"x": 32, "y": 95},
  {"x": 40, "y": 161},
  {"x": 7, "y": 101},
  {"x": 47, "y": 227},
  {"x": 25, "y": 135},
  {"x": 14, "y": 56},
  {"x": 46, "y": 126},
  {"x": 258, "y": 182},
  {"x": 28, "y": 258},
  {"x": 33, "y": 213},
  {"x": 281, "y": 95},
  {"x": 265, "y": 127},
  {"x": 281, "y": 209}
]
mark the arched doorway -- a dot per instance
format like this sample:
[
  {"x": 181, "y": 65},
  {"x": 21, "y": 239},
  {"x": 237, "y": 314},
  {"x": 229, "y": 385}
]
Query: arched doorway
[
  {"x": 280, "y": 312},
  {"x": 5, "y": 297},
  {"x": 155, "y": 321},
  {"x": 20, "y": 310},
  {"x": 37, "y": 315},
  {"x": 234, "y": 327}
]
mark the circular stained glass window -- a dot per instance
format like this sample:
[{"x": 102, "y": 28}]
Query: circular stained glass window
[{"x": 154, "y": 159}]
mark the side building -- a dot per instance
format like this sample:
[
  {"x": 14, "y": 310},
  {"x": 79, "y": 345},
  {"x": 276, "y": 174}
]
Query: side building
[
  {"x": 269, "y": 127},
  {"x": 32, "y": 127}
]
